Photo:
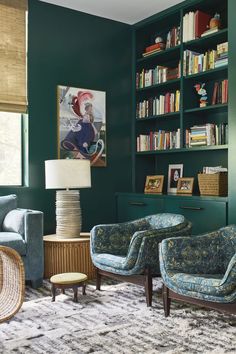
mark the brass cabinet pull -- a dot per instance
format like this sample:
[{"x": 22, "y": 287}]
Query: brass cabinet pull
[
  {"x": 191, "y": 208},
  {"x": 137, "y": 203}
]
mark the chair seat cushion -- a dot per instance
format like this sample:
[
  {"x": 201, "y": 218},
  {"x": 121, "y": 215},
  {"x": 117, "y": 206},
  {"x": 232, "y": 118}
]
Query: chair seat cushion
[
  {"x": 209, "y": 284},
  {"x": 110, "y": 260},
  {"x": 13, "y": 240}
]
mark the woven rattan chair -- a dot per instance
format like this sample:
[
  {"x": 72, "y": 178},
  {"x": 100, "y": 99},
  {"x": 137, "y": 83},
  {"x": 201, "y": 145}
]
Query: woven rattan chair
[{"x": 12, "y": 283}]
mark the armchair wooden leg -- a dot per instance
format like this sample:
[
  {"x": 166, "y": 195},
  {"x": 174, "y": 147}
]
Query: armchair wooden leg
[
  {"x": 98, "y": 280},
  {"x": 166, "y": 300},
  {"x": 148, "y": 286}
]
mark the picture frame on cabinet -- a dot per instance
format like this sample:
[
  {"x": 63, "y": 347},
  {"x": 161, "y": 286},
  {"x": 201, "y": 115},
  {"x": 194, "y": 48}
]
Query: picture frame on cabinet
[
  {"x": 175, "y": 172},
  {"x": 81, "y": 124},
  {"x": 185, "y": 185},
  {"x": 154, "y": 184}
]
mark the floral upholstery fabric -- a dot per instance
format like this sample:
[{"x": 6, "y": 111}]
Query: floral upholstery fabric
[
  {"x": 128, "y": 248},
  {"x": 203, "y": 266}
]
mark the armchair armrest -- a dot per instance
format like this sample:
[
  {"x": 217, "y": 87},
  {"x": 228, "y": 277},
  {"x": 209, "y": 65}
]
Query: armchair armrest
[
  {"x": 113, "y": 238},
  {"x": 195, "y": 254}
]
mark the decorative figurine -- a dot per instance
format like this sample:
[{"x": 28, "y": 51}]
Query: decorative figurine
[
  {"x": 215, "y": 21},
  {"x": 202, "y": 92}
]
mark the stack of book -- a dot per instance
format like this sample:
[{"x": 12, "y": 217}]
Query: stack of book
[
  {"x": 220, "y": 92},
  {"x": 158, "y": 75},
  {"x": 173, "y": 37},
  {"x": 159, "y": 140},
  {"x": 194, "y": 24},
  {"x": 222, "y": 55},
  {"x": 154, "y": 48},
  {"x": 170, "y": 102},
  {"x": 210, "y": 31},
  {"x": 206, "y": 135}
]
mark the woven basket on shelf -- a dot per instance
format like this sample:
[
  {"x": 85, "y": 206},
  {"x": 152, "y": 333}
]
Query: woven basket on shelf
[{"x": 213, "y": 184}]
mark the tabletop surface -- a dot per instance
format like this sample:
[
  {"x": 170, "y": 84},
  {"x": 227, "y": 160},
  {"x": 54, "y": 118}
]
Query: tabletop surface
[{"x": 84, "y": 236}]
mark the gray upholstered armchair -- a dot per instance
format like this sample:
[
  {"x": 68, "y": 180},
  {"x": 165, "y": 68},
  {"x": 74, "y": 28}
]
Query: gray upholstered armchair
[
  {"x": 200, "y": 269},
  {"x": 22, "y": 230},
  {"x": 129, "y": 251}
]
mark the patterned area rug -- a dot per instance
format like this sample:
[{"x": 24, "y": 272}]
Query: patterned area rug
[{"x": 115, "y": 321}]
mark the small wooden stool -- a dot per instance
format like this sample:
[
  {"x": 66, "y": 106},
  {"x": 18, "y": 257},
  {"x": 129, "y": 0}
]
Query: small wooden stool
[{"x": 67, "y": 281}]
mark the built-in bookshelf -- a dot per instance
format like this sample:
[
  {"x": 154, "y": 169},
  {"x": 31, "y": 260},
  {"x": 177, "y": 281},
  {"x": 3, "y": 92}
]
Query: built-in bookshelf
[{"x": 176, "y": 121}]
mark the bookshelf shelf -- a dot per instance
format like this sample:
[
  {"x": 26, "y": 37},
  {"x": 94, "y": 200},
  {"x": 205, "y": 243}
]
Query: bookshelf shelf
[
  {"x": 160, "y": 116},
  {"x": 209, "y": 74},
  {"x": 184, "y": 150},
  {"x": 170, "y": 83},
  {"x": 216, "y": 107},
  {"x": 163, "y": 55},
  {"x": 208, "y": 41}
]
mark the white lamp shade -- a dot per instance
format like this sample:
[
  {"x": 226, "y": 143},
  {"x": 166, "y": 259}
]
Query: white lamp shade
[{"x": 67, "y": 173}]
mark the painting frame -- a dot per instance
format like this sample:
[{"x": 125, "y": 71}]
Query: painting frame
[
  {"x": 154, "y": 184},
  {"x": 175, "y": 171},
  {"x": 81, "y": 124},
  {"x": 185, "y": 185}
]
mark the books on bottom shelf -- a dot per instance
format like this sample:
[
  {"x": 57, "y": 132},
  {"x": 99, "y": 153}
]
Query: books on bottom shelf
[
  {"x": 206, "y": 135},
  {"x": 159, "y": 140}
]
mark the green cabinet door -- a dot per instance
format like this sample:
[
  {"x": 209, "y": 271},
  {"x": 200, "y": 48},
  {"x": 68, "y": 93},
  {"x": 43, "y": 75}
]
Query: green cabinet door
[
  {"x": 205, "y": 215},
  {"x": 133, "y": 206}
]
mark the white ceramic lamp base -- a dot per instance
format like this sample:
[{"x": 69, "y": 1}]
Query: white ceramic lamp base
[{"x": 68, "y": 214}]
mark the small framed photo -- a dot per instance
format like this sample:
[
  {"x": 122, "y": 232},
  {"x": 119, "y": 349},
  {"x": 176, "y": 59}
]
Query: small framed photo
[
  {"x": 185, "y": 185},
  {"x": 154, "y": 184},
  {"x": 174, "y": 173}
]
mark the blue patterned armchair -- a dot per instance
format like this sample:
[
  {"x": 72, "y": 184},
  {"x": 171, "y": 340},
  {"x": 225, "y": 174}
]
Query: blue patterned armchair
[
  {"x": 22, "y": 230},
  {"x": 129, "y": 251},
  {"x": 200, "y": 269}
]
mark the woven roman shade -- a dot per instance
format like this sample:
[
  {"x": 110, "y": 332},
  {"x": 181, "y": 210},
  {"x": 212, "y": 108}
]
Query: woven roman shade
[{"x": 13, "y": 53}]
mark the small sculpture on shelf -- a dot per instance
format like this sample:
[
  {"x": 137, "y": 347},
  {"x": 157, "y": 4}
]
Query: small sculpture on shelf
[
  {"x": 202, "y": 92},
  {"x": 215, "y": 22}
]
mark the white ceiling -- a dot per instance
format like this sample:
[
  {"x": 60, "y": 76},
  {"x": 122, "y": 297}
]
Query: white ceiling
[{"x": 127, "y": 11}]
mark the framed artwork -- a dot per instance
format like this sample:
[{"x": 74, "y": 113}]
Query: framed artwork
[
  {"x": 81, "y": 124},
  {"x": 185, "y": 185},
  {"x": 154, "y": 184},
  {"x": 174, "y": 173}
]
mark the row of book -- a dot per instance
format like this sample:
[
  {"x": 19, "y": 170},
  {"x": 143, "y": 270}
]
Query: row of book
[
  {"x": 220, "y": 92},
  {"x": 195, "y": 24},
  {"x": 158, "y": 75},
  {"x": 194, "y": 62},
  {"x": 173, "y": 37},
  {"x": 159, "y": 140},
  {"x": 206, "y": 135},
  {"x": 168, "y": 103}
]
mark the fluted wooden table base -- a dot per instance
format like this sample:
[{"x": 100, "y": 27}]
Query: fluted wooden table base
[{"x": 67, "y": 255}]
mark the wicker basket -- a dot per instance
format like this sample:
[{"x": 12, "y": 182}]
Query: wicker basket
[{"x": 213, "y": 184}]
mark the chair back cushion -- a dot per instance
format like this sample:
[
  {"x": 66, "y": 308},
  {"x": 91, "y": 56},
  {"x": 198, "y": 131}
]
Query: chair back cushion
[
  {"x": 15, "y": 221},
  {"x": 159, "y": 221},
  {"x": 7, "y": 203}
]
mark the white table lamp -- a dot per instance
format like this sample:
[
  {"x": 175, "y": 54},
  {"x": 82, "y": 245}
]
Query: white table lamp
[{"x": 66, "y": 174}]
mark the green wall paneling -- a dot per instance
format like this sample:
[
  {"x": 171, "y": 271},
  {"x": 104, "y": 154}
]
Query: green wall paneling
[{"x": 68, "y": 47}]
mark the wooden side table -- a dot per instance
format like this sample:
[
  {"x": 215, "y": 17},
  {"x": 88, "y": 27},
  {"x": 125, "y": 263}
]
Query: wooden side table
[{"x": 62, "y": 255}]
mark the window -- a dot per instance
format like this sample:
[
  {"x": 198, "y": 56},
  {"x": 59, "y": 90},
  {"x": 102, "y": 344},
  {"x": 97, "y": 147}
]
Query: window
[
  {"x": 13, "y": 88},
  {"x": 10, "y": 149}
]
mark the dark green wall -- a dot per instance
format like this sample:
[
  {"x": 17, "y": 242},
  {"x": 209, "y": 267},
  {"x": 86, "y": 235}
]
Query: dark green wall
[{"x": 67, "y": 47}]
